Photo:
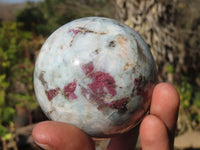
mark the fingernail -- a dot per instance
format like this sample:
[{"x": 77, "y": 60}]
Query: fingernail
[{"x": 43, "y": 146}]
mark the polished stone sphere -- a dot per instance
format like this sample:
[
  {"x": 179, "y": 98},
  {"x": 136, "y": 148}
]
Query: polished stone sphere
[{"x": 96, "y": 74}]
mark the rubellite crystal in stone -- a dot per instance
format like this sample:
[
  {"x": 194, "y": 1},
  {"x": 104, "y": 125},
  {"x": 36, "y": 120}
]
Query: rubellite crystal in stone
[{"x": 97, "y": 74}]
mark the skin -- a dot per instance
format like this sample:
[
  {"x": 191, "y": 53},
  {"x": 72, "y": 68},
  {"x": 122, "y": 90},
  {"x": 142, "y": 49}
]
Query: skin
[{"x": 156, "y": 130}]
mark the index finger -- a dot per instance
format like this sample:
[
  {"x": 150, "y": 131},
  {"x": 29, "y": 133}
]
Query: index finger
[{"x": 165, "y": 104}]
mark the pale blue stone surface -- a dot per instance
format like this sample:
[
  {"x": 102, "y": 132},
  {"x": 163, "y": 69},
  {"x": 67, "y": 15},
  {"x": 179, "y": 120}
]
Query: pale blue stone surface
[{"x": 97, "y": 74}]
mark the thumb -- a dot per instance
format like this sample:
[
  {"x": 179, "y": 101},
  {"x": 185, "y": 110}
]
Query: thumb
[{"x": 51, "y": 135}]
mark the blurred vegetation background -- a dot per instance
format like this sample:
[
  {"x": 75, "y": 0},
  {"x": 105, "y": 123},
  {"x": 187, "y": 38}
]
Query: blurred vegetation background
[{"x": 25, "y": 26}]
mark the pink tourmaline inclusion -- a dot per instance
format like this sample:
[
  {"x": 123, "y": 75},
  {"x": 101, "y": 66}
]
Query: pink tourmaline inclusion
[
  {"x": 118, "y": 104},
  {"x": 75, "y": 31},
  {"x": 88, "y": 69},
  {"x": 52, "y": 93},
  {"x": 69, "y": 90},
  {"x": 102, "y": 84}
]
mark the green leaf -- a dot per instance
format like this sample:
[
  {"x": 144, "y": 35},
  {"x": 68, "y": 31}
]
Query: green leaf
[
  {"x": 3, "y": 130},
  {"x": 170, "y": 69},
  {"x": 7, "y": 136},
  {"x": 8, "y": 114},
  {"x": 2, "y": 98}
]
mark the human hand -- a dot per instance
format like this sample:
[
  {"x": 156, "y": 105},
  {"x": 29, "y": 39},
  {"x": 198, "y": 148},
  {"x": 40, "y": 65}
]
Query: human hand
[{"x": 156, "y": 130}]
